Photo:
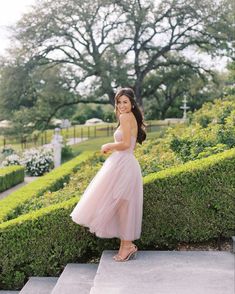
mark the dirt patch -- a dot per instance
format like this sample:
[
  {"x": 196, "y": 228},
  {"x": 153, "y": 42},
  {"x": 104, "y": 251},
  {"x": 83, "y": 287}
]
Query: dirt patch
[{"x": 223, "y": 245}]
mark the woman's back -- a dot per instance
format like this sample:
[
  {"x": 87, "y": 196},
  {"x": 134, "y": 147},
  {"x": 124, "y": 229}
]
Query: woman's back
[{"x": 134, "y": 126}]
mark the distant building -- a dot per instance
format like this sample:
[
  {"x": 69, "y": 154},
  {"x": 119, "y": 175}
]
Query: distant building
[
  {"x": 5, "y": 124},
  {"x": 93, "y": 121},
  {"x": 62, "y": 123}
]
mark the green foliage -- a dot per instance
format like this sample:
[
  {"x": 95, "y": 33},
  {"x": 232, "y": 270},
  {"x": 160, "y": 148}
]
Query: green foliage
[
  {"x": 212, "y": 150},
  {"x": 192, "y": 202},
  {"x": 96, "y": 61},
  {"x": 38, "y": 162},
  {"x": 87, "y": 111},
  {"x": 214, "y": 112},
  {"x": 35, "y": 93},
  {"x": 11, "y": 176},
  {"x": 164, "y": 90},
  {"x": 211, "y": 131},
  {"x": 155, "y": 155},
  {"x": 53, "y": 181},
  {"x": 76, "y": 185},
  {"x": 66, "y": 152}
]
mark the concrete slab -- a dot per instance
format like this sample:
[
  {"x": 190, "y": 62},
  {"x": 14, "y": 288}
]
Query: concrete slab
[
  {"x": 75, "y": 279},
  {"x": 39, "y": 285},
  {"x": 135, "y": 290},
  {"x": 9, "y": 292},
  {"x": 167, "y": 272}
]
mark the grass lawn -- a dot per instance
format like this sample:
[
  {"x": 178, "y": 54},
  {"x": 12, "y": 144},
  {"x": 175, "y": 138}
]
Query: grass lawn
[
  {"x": 94, "y": 144},
  {"x": 97, "y": 135}
]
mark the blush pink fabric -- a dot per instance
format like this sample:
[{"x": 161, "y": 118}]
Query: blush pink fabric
[{"x": 112, "y": 204}]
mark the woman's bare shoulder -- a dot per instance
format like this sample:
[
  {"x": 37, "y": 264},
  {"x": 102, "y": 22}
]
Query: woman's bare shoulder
[{"x": 125, "y": 117}]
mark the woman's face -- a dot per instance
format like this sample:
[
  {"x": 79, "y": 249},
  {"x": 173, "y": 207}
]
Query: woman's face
[{"x": 124, "y": 104}]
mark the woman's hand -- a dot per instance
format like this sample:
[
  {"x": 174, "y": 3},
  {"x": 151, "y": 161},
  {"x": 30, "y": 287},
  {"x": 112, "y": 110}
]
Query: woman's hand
[{"x": 106, "y": 148}]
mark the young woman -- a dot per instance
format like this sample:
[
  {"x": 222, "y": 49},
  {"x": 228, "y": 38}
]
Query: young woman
[{"x": 112, "y": 204}]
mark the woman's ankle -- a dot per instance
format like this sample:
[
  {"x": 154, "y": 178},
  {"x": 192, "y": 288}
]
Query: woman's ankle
[{"x": 127, "y": 244}]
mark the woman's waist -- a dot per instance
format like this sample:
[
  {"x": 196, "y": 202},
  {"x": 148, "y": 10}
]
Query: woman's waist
[{"x": 128, "y": 151}]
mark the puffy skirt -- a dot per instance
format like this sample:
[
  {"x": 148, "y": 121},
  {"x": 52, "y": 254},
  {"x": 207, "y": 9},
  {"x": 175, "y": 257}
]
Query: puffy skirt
[{"x": 112, "y": 204}]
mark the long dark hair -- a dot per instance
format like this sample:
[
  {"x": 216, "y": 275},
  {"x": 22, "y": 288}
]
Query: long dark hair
[{"x": 128, "y": 92}]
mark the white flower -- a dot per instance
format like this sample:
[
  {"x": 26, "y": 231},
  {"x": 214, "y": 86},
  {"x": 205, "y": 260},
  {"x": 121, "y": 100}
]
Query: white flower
[
  {"x": 38, "y": 161},
  {"x": 13, "y": 159}
]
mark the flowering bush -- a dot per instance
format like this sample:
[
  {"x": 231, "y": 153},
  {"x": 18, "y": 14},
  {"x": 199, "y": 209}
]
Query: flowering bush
[
  {"x": 37, "y": 161},
  {"x": 13, "y": 159},
  {"x": 7, "y": 150}
]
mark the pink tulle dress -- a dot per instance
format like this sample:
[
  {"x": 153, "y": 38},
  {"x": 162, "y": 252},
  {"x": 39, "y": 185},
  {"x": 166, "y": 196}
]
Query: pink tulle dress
[{"x": 112, "y": 204}]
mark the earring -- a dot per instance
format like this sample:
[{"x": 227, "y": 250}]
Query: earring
[{"x": 133, "y": 106}]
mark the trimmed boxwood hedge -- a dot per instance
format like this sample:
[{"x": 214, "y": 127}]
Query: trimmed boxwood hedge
[
  {"x": 11, "y": 176},
  {"x": 52, "y": 181},
  {"x": 191, "y": 202}
]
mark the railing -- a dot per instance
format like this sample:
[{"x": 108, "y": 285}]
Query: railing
[{"x": 72, "y": 133}]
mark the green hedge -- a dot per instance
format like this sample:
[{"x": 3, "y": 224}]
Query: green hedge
[
  {"x": 52, "y": 181},
  {"x": 11, "y": 176},
  {"x": 192, "y": 202}
]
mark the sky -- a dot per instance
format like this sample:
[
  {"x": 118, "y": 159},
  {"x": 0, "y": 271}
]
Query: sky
[{"x": 12, "y": 10}]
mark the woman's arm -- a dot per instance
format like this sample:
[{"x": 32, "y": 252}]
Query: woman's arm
[{"x": 125, "y": 124}]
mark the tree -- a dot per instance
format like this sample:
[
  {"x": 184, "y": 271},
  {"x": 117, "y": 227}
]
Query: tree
[
  {"x": 174, "y": 26},
  {"x": 229, "y": 79},
  {"x": 74, "y": 33},
  {"x": 119, "y": 43},
  {"x": 31, "y": 97},
  {"x": 165, "y": 89}
]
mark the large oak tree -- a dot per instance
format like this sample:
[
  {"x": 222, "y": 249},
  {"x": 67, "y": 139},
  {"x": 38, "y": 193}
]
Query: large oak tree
[
  {"x": 101, "y": 45},
  {"x": 115, "y": 43}
]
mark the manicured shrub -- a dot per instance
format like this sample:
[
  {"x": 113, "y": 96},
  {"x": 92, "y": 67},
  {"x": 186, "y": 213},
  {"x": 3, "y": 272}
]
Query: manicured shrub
[
  {"x": 38, "y": 161},
  {"x": 66, "y": 152},
  {"x": 72, "y": 188},
  {"x": 11, "y": 176},
  {"x": 10, "y": 207},
  {"x": 191, "y": 202}
]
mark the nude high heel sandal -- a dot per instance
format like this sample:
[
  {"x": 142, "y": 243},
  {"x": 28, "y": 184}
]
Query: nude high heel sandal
[{"x": 131, "y": 255}]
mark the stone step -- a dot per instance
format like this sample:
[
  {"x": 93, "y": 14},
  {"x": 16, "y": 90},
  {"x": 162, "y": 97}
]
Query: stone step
[
  {"x": 166, "y": 272},
  {"x": 132, "y": 290},
  {"x": 139, "y": 290},
  {"x": 233, "y": 244},
  {"x": 9, "y": 292},
  {"x": 76, "y": 279},
  {"x": 39, "y": 285}
]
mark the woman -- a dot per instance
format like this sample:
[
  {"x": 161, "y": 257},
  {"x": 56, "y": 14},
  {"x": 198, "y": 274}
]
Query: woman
[{"x": 112, "y": 204}]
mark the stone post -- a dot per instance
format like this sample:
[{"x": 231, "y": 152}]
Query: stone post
[{"x": 57, "y": 147}]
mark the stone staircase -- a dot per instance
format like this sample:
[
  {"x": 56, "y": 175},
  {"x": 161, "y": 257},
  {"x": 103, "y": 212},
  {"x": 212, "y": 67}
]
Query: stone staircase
[{"x": 152, "y": 272}]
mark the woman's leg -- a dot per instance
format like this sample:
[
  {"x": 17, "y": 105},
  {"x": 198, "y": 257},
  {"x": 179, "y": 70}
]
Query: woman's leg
[{"x": 126, "y": 247}]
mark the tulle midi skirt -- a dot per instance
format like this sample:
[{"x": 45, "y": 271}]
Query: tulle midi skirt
[{"x": 112, "y": 204}]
